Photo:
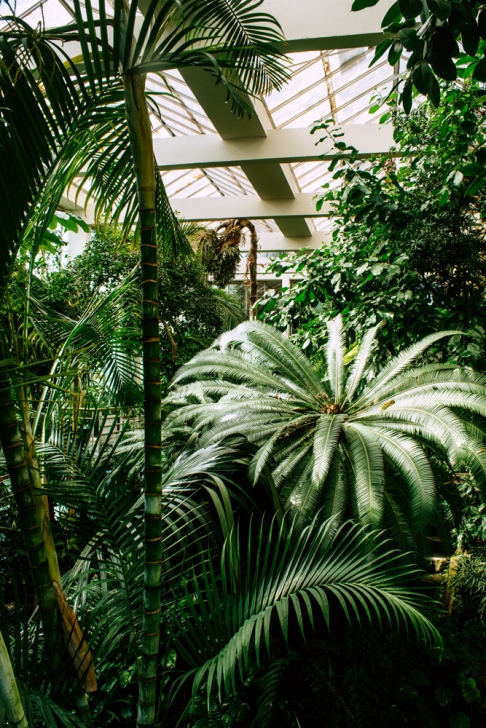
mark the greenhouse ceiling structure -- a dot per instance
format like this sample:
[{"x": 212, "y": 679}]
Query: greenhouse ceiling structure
[{"x": 267, "y": 168}]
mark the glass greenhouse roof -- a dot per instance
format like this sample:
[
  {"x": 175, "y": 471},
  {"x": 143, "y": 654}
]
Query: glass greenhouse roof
[{"x": 334, "y": 84}]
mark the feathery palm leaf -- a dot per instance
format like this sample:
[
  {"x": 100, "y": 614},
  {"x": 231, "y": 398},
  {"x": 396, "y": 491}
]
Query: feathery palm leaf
[{"x": 222, "y": 629}]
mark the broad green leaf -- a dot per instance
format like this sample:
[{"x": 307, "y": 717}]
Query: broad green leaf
[
  {"x": 440, "y": 8},
  {"x": 410, "y": 8},
  {"x": 362, "y": 4},
  {"x": 423, "y": 77},
  {"x": 443, "y": 695}
]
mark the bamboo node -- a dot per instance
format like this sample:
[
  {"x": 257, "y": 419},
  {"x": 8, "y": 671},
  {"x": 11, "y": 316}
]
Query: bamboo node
[
  {"x": 13, "y": 444},
  {"x": 34, "y": 548},
  {"x": 15, "y": 466}
]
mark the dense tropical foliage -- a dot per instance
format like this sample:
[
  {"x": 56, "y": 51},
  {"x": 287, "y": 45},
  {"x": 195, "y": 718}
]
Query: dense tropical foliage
[
  {"x": 408, "y": 246},
  {"x": 267, "y": 556}
]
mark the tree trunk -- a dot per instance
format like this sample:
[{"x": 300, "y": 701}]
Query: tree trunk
[
  {"x": 31, "y": 523},
  {"x": 30, "y": 455},
  {"x": 252, "y": 266},
  {"x": 142, "y": 150},
  {"x": 9, "y": 692}
]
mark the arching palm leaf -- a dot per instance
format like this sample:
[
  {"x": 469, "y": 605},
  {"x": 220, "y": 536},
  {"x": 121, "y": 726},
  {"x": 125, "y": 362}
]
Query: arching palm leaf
[{"x": 222, "y": 630}]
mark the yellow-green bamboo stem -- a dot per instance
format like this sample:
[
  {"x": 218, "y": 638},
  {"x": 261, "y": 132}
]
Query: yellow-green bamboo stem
[
  {"x": 31, "y": 524},
  {"x": 35, "y": 478},
  {"x": 142, "y": 150},
  {"x": 9, "y": 692}
]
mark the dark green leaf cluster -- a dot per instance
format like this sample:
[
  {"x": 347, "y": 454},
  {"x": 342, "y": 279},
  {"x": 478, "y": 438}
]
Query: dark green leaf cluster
[
  {"x": 409, "y": 242},
  {"x": 429, "y": 32}
]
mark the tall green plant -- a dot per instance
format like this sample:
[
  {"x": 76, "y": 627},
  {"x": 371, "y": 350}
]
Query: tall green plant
[{"x": 233, "y": 43}]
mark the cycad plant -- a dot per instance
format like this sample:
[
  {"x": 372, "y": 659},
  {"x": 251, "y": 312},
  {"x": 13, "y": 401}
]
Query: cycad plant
[{"x": 347, "y": 441}]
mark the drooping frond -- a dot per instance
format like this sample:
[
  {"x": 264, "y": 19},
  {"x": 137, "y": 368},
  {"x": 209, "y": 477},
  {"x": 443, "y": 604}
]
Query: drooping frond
[
  {"x": 412, "y": 463},
  {"x": 328, "y": 430},
  {"x": 369, "y": 473},
  {"x": 223, "y": 632}
]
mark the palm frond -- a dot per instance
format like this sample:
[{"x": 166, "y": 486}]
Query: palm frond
[
  {"x": 221, "y": 632},
  {"x": 398, "y": 364},
  {"x": 335, "y": 357},
  {"x": 361, "y": 361}
]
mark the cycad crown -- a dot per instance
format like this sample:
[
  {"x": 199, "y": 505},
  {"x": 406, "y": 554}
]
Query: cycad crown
[{"x": 342, "y": 443}]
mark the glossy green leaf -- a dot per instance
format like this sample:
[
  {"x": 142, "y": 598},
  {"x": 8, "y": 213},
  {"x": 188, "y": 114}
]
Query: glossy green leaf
[
  {"x": 443, "y": 67},
  {"x": 482, "y": 24},
  {"x": 362, "y": 4},
  {"x": 410, "y": 8},
  {"x": 422, "y": 77},
  {"x": 440, "y": 8},
  {"x": 395, "y": 52},
  {"x": 470, "y": 38},
  {"x": 410, "y": 40},
  {"x": 443, "y": 695},
  {"x": 394, "y": 13}
]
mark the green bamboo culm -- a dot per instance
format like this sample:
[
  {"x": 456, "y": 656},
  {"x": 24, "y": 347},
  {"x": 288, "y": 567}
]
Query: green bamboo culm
[
  {"x": 9, "y": 692},
  {"x": 31, "y": 523},
  {"x": 142, "y": 150}
]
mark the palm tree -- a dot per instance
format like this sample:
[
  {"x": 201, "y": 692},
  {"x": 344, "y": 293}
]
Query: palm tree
[
  {"x": 343, "y": 442},
  {"x": 219, "y": 252},
  {"x": 268, "y": 578},
  {"x": 226, "y": 38}
]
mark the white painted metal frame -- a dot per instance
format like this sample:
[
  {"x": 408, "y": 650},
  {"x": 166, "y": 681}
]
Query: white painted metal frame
[{"x": 267, "y": 168}]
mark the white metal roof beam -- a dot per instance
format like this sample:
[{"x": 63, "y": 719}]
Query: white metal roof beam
[
  {"x": 202, "y": 209},
  {"x": 279, "y": 146},
  {"x": 276, "y": 242},
  {"x": 270, "y": 180},
  {"x": 316, "y": 25}
]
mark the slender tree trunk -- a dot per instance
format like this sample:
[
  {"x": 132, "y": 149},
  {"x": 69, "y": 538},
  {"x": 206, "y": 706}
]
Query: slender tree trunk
[
  {"x": 9, "y": 692},
  {"x": 142, "y": 150},
  {"x": 30, "y": 455},
  {"x": 252, "y": 265},
  {"x": 31, "y": 523}
]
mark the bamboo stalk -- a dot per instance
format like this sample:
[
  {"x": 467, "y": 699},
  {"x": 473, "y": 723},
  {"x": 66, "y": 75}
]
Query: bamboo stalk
[
  {"x": 142, "y": 151},
  {"x": 31, "y": 524},
  {"x": 9, "y": 692}
]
